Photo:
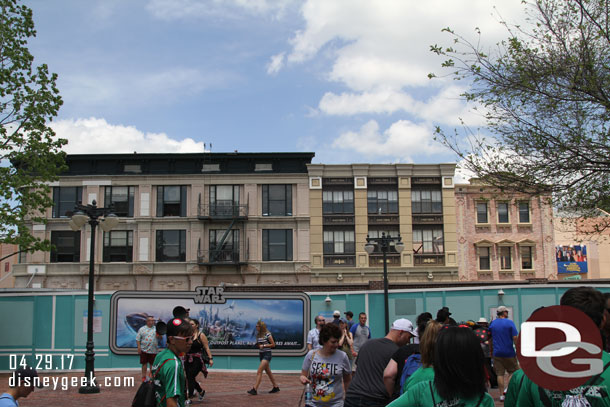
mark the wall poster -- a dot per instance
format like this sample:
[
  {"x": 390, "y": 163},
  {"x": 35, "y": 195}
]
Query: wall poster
[
  {"x": 571, "y": 258},
  {"x": 227, "y": 319}
]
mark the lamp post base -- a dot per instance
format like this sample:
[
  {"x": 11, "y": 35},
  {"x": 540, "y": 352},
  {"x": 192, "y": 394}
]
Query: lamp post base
[{"x": 89, "y": 389}]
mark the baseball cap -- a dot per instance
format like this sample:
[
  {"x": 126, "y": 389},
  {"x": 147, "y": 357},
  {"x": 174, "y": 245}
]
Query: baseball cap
[
  {"x": 349, "y": 314},
  {"x": 26, "y": 372},
  {"x": 180, "y": 312},
  {"x": 337, "y": 313},
  {"x": 343, "y": 320},
  {"x": 482, "y": 320},
  {"x": 404, "y": 324},
  {"x": 446, "y": 309},
  {"x": 501, "y": 308}
]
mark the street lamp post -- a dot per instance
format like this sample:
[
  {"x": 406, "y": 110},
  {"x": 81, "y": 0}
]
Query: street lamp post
[
  {"x": 384, "y": 243},
  {"x": 106, "y": 220}
]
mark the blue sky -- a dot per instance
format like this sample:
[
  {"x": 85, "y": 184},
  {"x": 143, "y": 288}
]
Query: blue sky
[{"x": 346, "y": 79}]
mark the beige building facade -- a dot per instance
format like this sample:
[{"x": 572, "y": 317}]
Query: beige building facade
[
  {"x": 503, "y": 236},
  {"x": 186, "y": 220},
  {"x": 350, "y": 202}
]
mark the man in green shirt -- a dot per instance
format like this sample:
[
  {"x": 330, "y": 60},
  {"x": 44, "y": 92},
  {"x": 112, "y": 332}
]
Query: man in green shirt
[
  {"x": 168, "y": 371},
  {"x": 595, "y": 392}
]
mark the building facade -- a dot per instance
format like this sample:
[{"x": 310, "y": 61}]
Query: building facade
[
  {"x": 350, "y": 202},
  {"x": 9, "y": 253},
  {"x": 503, "y": 236},
  {"x": 186, "y": 220},
  {"x": 582, "y": 247}
]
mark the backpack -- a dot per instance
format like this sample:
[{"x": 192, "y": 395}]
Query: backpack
[
  {"x": 145, "y": 396},
  {"x": 412, "y": 363}
]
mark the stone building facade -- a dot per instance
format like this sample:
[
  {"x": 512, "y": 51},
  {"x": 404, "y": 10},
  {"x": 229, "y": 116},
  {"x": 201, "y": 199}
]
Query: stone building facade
[
  {"x": 502, "y": 236},
  {"x": 186, "y": 220},
  {"x": 353, "y": 201}
]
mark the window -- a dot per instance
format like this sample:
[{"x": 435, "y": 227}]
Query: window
[
  {"x": 382, "y": 201},
  {"x": 121, "y": 198},
  {"x": 506, "y": 258},
  {"x": 171, "y": 200},
  {"x": 526, "y": 258},
  {"x": 224, "y": 200},
  {"x": 524, "y": 212},
  {"x": 377, "y": 233},
  {"x": 426, "y": 201},
  {"x": 66, "y": 247},
  {"x": 428, "y": 240},
  {"x": 482, "y": 216},
  {"x": 503, "y": 212},
  {"x": 229, "y": 250},
  {"x": 277, "y": 244},
  {"x": 484, "y": 258},
  {"x": 118, "y": 246},
  {"x": 171, "y": 245},
  {"x": 339, "y": 242},
  {"x": 277, "y": 200},
  {"x": 338, "y": 202},
  {"x": 65, "y": 199}
]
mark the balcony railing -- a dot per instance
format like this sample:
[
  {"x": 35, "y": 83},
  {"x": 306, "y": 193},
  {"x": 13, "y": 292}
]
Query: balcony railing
[
  {"x": 218, "y": 211},
  {"x": 216, "y": 257}
]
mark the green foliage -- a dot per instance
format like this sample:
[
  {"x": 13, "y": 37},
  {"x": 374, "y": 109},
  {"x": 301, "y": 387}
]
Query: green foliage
[
  {"x": 30, "y": 154},
  {"x": 545, "y": 94}
]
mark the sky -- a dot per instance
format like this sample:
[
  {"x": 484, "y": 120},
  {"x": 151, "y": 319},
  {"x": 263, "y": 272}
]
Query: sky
[{"x": 346, "y": 79}]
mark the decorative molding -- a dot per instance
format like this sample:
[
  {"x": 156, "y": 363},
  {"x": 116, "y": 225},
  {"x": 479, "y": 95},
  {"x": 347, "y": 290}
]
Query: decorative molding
[
  {"x": 360, "y": 183},
  {"x": 315, "y": 182}
]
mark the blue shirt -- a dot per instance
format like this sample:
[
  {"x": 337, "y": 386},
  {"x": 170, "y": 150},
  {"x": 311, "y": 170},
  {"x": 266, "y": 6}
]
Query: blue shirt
[
  {"x": 6, "y": 400},
  {"x": 502, "y": 332}
]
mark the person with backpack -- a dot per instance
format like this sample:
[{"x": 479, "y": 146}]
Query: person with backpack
[
  {"x": 168, "y": 371},
  {"x": 394, "y": 368},
  {"x": 459, "y": 375},
  {"x": 594, "y": 392},
  {"x": 413, "y": 374}
]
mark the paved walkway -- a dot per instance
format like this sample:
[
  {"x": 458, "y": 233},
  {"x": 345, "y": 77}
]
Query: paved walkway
[{"x": 223, "y": 389}]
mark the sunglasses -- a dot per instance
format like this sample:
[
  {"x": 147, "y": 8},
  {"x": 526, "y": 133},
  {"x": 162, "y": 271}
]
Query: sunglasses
[{"x": 189, "y": 339}]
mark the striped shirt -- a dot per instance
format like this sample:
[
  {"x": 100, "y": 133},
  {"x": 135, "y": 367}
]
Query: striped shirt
[{"x": 264, "y": 340}]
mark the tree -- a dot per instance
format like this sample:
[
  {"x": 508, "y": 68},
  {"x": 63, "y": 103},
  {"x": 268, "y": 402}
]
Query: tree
[
  {"x": 30, "y": 154},
  {"x": 545, "y": 96}
]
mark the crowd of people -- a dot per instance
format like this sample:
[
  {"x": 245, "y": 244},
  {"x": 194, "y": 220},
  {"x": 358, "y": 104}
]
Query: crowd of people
[
  {"x": 440, "y": 362},
  {"x": 436, "y": 362}
]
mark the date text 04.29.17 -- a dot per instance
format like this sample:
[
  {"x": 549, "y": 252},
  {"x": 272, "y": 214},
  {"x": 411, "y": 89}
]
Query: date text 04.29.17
[{"x": 42, "y": 361}]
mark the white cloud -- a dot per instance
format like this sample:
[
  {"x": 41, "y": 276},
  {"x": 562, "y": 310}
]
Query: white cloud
[
  {"x": 446, "y": 107},
  {"x": 93, "y": 135},
  {"x": 402, "y": 141},
  {"x": 275, "y": 64},
  {"x": 386, "y": 43},
  {"x": 185, "y": 9},
  {"x": 141, "y": 88}
]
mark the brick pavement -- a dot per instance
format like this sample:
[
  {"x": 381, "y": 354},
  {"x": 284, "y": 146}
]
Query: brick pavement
[{"x": 223, "y": 389}]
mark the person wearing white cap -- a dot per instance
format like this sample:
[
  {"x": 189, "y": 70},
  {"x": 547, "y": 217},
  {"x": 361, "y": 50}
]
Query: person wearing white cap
[
  {"x": 367, "y": 387},
  {"x": 337, "y": 317},
  {"x": 504, "y": 334}
]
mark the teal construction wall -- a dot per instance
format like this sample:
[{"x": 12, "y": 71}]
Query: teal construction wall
[{"x": 51, "y": 323}]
